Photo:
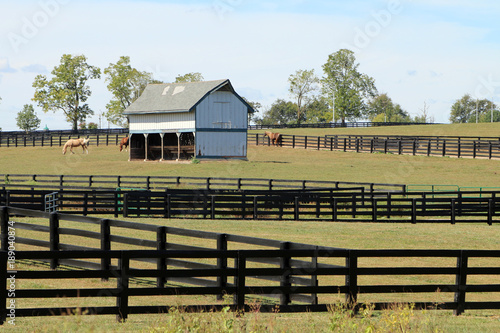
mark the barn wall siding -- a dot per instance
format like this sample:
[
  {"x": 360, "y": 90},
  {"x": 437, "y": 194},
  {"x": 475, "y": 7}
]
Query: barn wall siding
[
  {"x": 221, "y": 144},
  {"x": 162, "y": 122},
  {"x": 221, "y": 109}
]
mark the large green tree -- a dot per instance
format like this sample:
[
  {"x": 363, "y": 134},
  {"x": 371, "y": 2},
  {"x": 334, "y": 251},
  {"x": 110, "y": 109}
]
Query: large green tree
[
  {"x": 318, "y": 110},
  {"x": 349, "y": 88},
  {"x": 67, "y": 90},
  {"x": 281, "y": 112},
  {"x": 382, "y": 109},
  {"x": 189, "y": 77},
  {"x": 126, "y": 84},
  {"x": 465, "y": 109},
  {"x": 302, "y": 84},
  {"x": 27, "y": 119}
]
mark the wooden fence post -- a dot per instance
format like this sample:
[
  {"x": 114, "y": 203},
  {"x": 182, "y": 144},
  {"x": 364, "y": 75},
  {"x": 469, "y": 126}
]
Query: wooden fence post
[
  {"x": 222, "y": 263},
  {"x": 319, "y": 142},
  {"x": 240, "y": 281},
  {"x": 105, "y": 245},
  {"x": 255, "y": 208},
  {"x": 414, "y": 211},
  {"x": 161, "y": 264},
  {"x": 122, "y": 287},
  {"x": 461, "y": 283},
  {"x": 4, "y": 228},
  {"x": 3, "y": 290},
  {"x": 296, "y": 209},
  {"x": 257, "y": 139},
  {"x": 54, "y": 237},
  {"x": 212, "y": 207},
  {"x": 85, "y": 204},
  {"x": 334, "y": 209},
  {"x": 491, "y": 210},
  {"x": 305, "y": 142},
  {"x": 293, "y": 141},
  {"x": 474, "y": 150},
  {"x": 285, "y": 282},
  {"x": 351, "y": 279},
  {"x": 444, "y": 147},
  {"x": 125, "y": 205},
  {"x": 489, "y": 150},
  {"x": 452, "y": 211}
]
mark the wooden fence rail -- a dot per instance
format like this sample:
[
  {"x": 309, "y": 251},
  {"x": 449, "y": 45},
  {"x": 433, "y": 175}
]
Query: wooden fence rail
[
  {"x": 163, "y": 182},
  {"x": 334, "y": 125},
  {"x": 334, "y": 205},
  {"x": 51, "y": 140},
  {"x": 472, "y": 147},
  {"x": 300, "y": 277},
  {"x": 244, "y": 284}
]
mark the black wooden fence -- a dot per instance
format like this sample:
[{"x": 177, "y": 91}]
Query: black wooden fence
[
  {"x": 334, "y": 125},
  {"x": 473, "y": 147},
  {"x": 163, "y": 182},
  {"x": 302, "y": 277},
  {"x": 333, "y": 205},
  {"x": 57, "y": 140}
]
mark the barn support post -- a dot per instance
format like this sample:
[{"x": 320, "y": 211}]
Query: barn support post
[
  {"x": 145, "y": 147},
  {"x": 178, "y": 146},
  {"x": 162, "y": 147}
]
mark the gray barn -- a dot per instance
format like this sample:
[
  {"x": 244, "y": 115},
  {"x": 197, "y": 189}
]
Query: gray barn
[{"x": 181, "y": 120}]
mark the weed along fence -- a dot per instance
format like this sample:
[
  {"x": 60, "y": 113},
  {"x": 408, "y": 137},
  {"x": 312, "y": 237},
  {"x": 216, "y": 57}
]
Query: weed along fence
[
  {"x": 332, "y": 205},
  {"x": 290, "y": 277},
  {"x": 472, "y": 147}
]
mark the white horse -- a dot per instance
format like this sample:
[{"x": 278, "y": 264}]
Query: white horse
[{"x": 76, "y": 143}]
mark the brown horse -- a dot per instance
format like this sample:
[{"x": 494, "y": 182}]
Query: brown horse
[
  {"x": 124, "y": 143},
  {"x": 76, "y": 143},
  {"x": 274, "y": 137}
]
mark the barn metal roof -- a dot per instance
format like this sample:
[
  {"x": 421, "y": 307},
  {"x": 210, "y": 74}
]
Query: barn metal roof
[{"x": 176, "y": 97}]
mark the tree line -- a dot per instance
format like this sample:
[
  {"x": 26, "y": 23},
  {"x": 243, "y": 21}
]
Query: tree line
[{"x": 342, "y": 94}]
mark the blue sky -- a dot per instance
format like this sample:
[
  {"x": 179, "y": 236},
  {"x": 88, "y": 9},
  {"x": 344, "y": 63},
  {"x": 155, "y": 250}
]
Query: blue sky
[{"x": 418, "y": 52}]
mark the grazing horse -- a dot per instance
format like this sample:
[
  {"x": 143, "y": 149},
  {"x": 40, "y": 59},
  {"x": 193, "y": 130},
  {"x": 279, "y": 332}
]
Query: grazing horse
[
  {"x": 124, "y": 143},
  {"x": 76, "y": 143},
  {"x": 275, "y": 137}
]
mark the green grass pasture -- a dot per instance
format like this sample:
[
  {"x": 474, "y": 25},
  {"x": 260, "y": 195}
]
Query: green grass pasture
[{"x": 301, "y": 164}]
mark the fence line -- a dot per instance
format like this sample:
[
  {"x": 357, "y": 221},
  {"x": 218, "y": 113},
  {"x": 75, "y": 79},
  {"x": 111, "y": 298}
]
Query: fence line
[
  {"x": 52, "y": 140},
  {"x": 163, "y": 182},
  {"x": 332, "y": 205},
  {"x": 300, "y": 277},
  {"x": 334, "y": 125},
  {"x": 474, "y": 147}
]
